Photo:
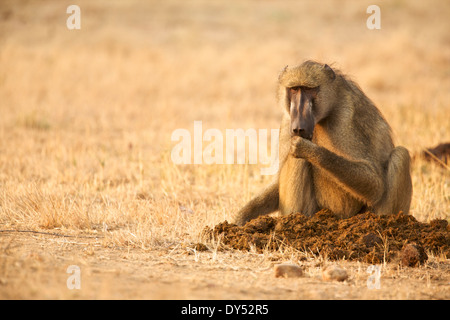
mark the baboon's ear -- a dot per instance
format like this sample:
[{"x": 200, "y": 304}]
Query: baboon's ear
[
  {"x": 282, "y": 72},
  {"x": 329, "y": 72}
]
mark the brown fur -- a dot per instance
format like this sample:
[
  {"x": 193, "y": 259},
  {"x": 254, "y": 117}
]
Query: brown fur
[{"x": 349, "y": 165}]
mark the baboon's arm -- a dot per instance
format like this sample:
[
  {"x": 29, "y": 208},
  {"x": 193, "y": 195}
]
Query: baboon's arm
[
  {"x": 359, "y": 177},
  {"x": 264, "y": 203}
]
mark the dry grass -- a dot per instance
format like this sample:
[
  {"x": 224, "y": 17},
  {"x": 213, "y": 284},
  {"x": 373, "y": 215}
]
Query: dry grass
[{"x": 86, "y": 116}]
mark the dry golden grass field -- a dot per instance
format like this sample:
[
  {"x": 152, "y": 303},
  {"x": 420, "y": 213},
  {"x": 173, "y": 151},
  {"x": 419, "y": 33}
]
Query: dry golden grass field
[{"x": 86, "y": 117}]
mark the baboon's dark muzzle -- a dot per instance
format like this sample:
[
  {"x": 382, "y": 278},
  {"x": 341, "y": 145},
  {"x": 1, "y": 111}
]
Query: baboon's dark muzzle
[
  {"x": 302, "y": 121},
  {"x": 301, "y": 131}
]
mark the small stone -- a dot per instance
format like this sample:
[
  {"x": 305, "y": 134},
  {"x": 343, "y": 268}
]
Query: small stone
[
  {"x": 287, "y": 270},
  {"x": 334, "y": 272},
  {"x": 200, "y": 247}
]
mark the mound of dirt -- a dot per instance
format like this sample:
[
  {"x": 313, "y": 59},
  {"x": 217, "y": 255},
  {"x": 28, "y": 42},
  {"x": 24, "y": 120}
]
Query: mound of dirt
[{"x": 365, "y": 237}]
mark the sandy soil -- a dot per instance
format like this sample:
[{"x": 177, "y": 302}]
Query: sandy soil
[{"x": 34, "y": 266}]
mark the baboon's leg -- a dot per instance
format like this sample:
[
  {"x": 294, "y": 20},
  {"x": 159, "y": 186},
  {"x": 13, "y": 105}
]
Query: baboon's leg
[
  {"x": 264, "y": 203},
  {"x": 398, "y": 193}
]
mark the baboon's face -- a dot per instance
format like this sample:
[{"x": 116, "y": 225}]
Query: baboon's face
[{"x": 302, "y": 111}]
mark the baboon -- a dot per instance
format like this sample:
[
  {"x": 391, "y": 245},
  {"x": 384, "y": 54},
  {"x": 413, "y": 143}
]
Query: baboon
[{"x": 335, "y": 151}]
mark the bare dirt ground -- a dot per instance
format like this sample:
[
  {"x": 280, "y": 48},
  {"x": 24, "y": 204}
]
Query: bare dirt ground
[
  {"x": 87, "y": 116},
  {"x": 34, "y": 266}
]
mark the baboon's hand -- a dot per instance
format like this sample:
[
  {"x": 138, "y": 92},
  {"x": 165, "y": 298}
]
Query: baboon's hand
[{"x": 299, "y": 147}]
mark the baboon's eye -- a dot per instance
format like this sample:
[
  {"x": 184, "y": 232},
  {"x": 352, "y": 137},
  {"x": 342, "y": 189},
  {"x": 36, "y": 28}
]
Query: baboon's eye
[
  {"x": 312, "y": 92},
  {"x": 294, "y": 89}
]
